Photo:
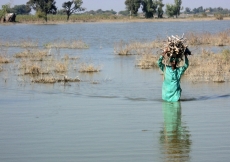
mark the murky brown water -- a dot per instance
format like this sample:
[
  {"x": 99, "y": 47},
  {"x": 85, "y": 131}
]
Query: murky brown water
[{"x": 120, "y": 119}]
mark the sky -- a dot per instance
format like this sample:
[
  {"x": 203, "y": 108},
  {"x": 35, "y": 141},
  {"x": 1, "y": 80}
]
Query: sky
[{"x": 118, "y": 5}]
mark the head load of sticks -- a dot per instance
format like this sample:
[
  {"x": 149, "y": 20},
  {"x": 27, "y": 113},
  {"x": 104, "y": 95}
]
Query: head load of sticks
[{"x": 175, "y": 47}]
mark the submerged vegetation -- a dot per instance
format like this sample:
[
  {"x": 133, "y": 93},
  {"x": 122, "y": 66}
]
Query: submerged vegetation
[
  {"x": 147, "y": 61},
  {"x": 22, "y": 43},
  {"x": 89, "y": 68},
  {"x": 193, "y": 39},
  {"x": 209, "y": 66},
  {"x": 44, "y": 64},
  {"x": 218, "y": 39},
  {"x": 136, "y": 48},
  {"x": 60, "y": 43},
  {"x": 4, "y": 60}
]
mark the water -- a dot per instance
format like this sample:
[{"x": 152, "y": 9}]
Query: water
[{"x": 120, "y": 119}]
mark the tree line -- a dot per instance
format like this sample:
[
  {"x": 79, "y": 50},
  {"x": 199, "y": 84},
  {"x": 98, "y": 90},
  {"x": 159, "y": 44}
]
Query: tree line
[
  {"x": 44, "y": 7},
  {"x": 200, "y": 9},
  {"x": 153, "y": 7}
]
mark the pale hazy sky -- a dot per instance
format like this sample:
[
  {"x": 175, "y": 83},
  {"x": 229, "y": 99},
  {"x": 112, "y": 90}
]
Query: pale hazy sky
[{"x": 118, "y": 5}]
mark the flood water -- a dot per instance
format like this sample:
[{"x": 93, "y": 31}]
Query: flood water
[{"x": 122, "y": 117}]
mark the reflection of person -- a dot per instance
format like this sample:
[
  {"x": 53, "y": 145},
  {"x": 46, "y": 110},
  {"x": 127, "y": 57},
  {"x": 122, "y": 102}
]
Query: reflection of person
[
  {"x": 174, "y": 137},
  {"x": 171, "y": 90}
]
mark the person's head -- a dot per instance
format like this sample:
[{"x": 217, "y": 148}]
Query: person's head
[{"x": 173, "y": 62}]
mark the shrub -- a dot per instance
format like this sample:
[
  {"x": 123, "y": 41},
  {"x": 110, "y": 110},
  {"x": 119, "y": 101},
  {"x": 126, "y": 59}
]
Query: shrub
[
  {"x": 219, "y": 16},
  {"x": 226, "y": 54}
]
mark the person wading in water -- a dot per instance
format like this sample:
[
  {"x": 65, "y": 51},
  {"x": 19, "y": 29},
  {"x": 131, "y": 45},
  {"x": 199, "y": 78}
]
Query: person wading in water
[{"x": 171, "y": 90}]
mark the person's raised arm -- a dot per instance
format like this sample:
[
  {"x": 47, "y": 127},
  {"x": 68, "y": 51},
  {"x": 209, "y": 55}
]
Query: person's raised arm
[
  {"x": 186, "y": 64},
  {"x": 159, "y": 62}
]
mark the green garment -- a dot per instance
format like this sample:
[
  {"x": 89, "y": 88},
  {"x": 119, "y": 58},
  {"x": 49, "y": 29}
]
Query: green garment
[
  {"x": 171, "y": 90},
  {"x": 172, "y": 117}
]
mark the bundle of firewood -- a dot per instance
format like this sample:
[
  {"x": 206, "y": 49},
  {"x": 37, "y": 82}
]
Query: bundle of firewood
[{"x": 175, "y": 47}]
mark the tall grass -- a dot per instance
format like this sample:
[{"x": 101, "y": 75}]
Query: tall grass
[
  {"x": 136, "y": 48},
  {"x": 34, "y": 54},
  {"x": 147, "y": 61},
  {"x": 204, "y": 67},
  {"x": 4, "y": 57},
  {"x": 218, "y": 39},
  {"x": 193, "y": 39},
  {"x": 89, "y": 68},
  {"x": 23, "y": 43},
  {"x": 209, "y": 66}
]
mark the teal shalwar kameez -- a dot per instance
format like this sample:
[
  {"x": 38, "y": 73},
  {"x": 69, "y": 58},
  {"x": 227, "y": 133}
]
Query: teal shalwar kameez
[{"x": 171, "y": 90}]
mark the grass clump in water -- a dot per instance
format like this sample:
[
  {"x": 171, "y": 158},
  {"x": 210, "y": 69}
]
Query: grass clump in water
[
  {"x": 209, "y": 66},
  {"x": 29, "y": 67},
  {"x": 61, "y": 67},
  {"x": 88, "y": 68},
  {"x": 45, "y": 80},
  {"x": 147, "y": 61},
  {"x": 67, "y": 57},
  {"x": 206, "y": 38},
  {"x": 4, "y": 60},
  {"x": 136, "y": 48},
  {"x": 226, "y": 54},
  {"x": 52, "y": 80},
  {"x": 24, "y": 43},
  {"x": 36, "y": 54}
]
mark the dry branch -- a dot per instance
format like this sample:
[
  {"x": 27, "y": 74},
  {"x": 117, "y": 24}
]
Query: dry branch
[{"x": 175, "y": 47}]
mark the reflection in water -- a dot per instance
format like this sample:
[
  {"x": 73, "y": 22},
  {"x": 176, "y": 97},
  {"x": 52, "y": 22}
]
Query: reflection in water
[{"x": 174, "y": 138}]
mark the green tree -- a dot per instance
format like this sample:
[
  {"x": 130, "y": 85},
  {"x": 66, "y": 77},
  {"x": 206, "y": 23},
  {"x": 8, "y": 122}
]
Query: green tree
[
  {"x": 200, "y": 9},
  {"x": 21, "y": 9},
  {"x": 4, "y": 10},
  {"x": 210, "y": 9},
  {"x": 177, "y": 7},
  {"x": 187, "y": 10},
  {"x": 195, "y": 10},
  {"x": 160, "y": 11},
  {"x": 99, "y": 11},
  {"x": 43, "y": 7},
  {"x": 149, "y": 8},
  {"x": 170, "y": 10},
  {"x": 220, "y": 9},
  {"x": 174, "y": 9},
  {"x": 133, "y": 6},
  {"x": 71, "y": 7}
]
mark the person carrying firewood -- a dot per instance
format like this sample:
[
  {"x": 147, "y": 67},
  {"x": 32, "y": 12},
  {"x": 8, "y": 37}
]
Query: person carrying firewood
[{"x": 171, "y": 90}]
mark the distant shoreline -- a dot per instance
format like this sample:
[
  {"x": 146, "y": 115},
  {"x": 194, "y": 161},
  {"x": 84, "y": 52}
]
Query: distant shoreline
[{"x": 120, "y": 20}]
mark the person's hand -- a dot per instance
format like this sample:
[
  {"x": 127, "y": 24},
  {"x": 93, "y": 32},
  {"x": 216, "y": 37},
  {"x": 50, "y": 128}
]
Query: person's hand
[{"x": 165, "y": 51}]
